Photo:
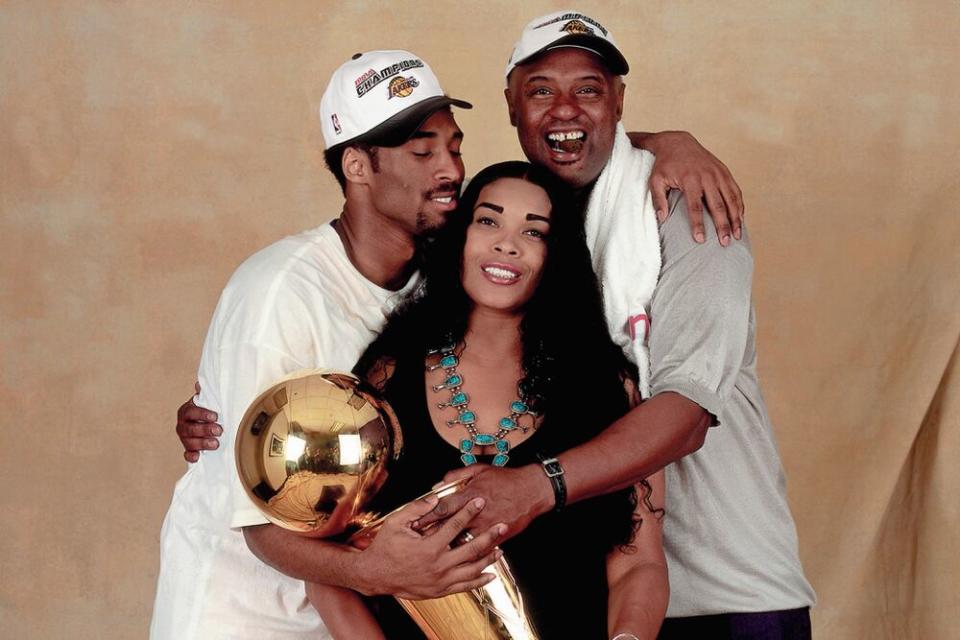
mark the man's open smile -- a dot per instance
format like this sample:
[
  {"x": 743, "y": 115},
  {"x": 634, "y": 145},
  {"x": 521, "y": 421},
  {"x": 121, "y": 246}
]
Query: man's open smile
[{"x": 566, "y": 141}]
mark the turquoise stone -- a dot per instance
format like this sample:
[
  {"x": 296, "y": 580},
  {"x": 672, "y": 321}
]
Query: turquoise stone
[
  {"x": 454, "y": 381},
  {"x": 503, "y": 446},
  {"x": 484, "y": 439},
  {"x": 466, "y": 445},
  {"x": 458, "y": 399},
  {"x": 467, "y": 417},
  {"x": 507, "y": 423},
  {"x": 500, "y": 459},
  {"x": 448, "y": 361},
  {"x": 468, "y": 458},
  {"x": 518, "y": 407}
]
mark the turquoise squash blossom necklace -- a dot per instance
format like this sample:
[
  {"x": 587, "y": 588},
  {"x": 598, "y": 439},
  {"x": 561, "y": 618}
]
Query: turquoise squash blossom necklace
[{"x": 466, "y": 417}]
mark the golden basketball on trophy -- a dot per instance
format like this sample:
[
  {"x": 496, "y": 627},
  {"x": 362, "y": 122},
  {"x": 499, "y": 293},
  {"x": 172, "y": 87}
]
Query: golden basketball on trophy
[{"x": 312, "y": 449}]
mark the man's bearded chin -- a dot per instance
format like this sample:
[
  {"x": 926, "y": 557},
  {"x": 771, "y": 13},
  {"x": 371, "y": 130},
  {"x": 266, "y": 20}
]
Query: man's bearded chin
[{"x": 426, "y": 228}]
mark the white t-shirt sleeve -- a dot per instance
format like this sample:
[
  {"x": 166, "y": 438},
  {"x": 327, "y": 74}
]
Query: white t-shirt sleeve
[{"x": 245, "y": 371}]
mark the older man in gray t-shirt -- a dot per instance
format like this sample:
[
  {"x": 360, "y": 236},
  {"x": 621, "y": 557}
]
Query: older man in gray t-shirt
[{"x": 730, "y": 540}]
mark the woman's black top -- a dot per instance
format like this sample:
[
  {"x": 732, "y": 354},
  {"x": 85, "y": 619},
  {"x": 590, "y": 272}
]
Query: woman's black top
[{"x": 559, "y": 561}]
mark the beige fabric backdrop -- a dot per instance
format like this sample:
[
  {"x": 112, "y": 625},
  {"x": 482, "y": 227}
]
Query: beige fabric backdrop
[{"x": 146, "y": 148}]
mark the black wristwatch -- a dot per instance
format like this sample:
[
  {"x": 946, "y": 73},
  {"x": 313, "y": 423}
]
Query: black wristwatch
[{"x": 551, "y": 466}]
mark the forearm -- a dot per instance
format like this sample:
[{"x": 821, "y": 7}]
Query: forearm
[
  {"x": 399, "y": 561},
  {"x": 650, "y": 436},
  {"x": 657, "y": 142},
  {"x": 306, "y": 559},
  {"x": 661, "y": 430},
  {"x": 641, "y": 139},
  {"x": 638, "y": 585},
  {"x": 638, "y": 601},
  {"x": 344, "y": 613}
]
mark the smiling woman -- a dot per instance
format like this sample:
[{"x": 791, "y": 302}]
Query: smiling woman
[
  {"x": 505, "y": 248},
  {"x": 487, "y": 365}
]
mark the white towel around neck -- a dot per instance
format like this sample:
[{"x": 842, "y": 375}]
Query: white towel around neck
[{"x": 624, "y": 241}]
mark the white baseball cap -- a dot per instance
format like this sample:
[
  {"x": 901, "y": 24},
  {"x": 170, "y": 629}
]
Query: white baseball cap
[
  {"x": 567, "y": 29},
  {"x": 380, "y": 97}
]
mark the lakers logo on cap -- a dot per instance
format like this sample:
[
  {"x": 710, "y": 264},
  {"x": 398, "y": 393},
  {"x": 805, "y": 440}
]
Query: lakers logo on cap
[
  {"x": 402, "y": 87},
  {"x": 579, "y": 18},
  {"x": 575, "y": 26}
]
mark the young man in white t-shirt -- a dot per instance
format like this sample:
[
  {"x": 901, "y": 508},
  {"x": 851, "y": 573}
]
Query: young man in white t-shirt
[{"x": 309, "y": 301}]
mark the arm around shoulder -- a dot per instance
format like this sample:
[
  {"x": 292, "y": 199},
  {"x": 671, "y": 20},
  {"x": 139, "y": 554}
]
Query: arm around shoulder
[{"x": 683, "y": 163}]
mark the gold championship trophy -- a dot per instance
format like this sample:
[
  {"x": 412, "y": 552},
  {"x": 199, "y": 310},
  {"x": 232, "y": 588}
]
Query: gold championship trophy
[{"x": 314, "y": 448}]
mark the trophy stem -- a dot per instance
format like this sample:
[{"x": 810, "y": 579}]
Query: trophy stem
[{"x": 495, "y": 611}]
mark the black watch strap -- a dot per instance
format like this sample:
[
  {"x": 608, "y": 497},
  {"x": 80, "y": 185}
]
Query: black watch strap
[{"x": 551, "y": 466}]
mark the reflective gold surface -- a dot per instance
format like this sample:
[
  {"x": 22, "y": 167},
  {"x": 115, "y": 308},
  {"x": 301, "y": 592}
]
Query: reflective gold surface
[
  {"x": 314, "y": 448},
  {"x": 495, "y": 611}
]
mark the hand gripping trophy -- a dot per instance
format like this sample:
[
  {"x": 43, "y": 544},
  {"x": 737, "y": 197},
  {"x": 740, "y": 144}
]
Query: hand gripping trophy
[{"x": 314, "y": 448}]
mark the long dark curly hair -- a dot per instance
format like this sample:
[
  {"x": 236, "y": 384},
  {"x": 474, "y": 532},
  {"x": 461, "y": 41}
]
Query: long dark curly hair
[{"x": 571, "y": 368}]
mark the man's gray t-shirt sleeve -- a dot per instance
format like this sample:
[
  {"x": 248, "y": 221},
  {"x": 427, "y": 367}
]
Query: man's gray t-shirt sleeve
[{"x": 700, "y": 312}]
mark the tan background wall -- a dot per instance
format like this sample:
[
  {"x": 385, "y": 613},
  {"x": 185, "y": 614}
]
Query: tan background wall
[{"x": 146, "y": 148}]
